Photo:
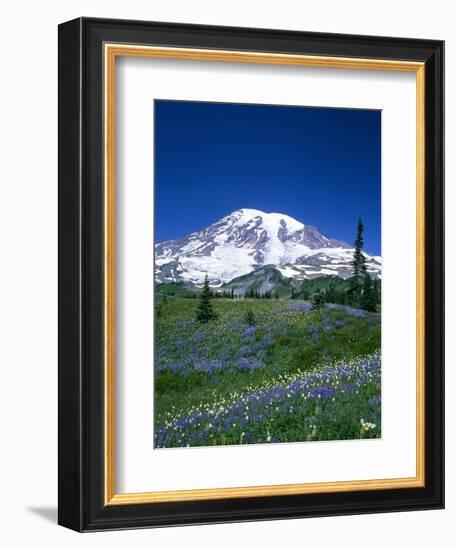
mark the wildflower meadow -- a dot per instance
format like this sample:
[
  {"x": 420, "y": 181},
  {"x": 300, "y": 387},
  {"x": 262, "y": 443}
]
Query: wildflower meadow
[{"x": 265, "y": 371}]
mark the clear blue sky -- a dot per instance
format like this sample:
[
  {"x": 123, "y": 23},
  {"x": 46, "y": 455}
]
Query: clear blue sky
[{"x": 321, "y": 166}]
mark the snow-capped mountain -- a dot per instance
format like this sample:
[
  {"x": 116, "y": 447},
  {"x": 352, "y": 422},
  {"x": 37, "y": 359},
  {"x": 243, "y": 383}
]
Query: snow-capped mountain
[{"x": 248, "y": 239}]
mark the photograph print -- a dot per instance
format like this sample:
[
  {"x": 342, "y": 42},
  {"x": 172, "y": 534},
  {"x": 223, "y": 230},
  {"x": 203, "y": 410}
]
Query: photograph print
[{"x": 268, "y": 274}]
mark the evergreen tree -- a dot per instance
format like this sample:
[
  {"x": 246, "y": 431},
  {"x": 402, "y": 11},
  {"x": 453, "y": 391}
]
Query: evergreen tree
[
  {"x": 161, "y": 305},
  {"x": 276, "y": 295},
  {"x": 359, "y": 268},
  {"x": 317, "y": 300},
  {"x": 205, "y": 312},
  {"x": 330, "y": 293},
  {"x": 359, "y": 260},
  {"x": 368, "y": 299},
  {"x": 159, "y": 311},
  {"x": 377, "y": 291},
  {"x": 249, "y": 317}
]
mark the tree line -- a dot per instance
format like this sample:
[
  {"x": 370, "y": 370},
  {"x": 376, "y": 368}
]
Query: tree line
[
  {"x": 359, "y": 291},
  {"x": 249, "y": 293},
  {"x": 362, "y": 291}
]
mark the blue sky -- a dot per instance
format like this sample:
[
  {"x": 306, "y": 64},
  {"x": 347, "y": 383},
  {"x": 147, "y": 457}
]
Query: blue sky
[{"x": 321, "y": 166}]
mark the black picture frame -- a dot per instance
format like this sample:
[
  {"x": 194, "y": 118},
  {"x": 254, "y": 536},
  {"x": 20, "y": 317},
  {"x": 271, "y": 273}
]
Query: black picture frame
[{"x": 81, "y": 428}]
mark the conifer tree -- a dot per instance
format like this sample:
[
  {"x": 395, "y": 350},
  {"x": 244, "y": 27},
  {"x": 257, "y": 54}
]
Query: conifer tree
[
  {"x": 162, "y": 305},
  {"x": 359, "y": 267},
  {"x": 317, "y": 300},
  {"x": 205, "y": 312},
  {"x": 159, "y": 311},
  {"x": 359, "y": 260},
  {"x": 330, "y": 293},
  {"x": 368, "y": 299},
  {"x": 378, "y": 291},
  {"x": 249, "y": 318}
]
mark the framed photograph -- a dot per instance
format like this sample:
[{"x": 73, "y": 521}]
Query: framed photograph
[{"x": 251, "y": 302}]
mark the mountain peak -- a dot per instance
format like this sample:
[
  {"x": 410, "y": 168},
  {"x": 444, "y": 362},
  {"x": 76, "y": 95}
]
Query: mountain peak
[
  {"x": 248, "y": 212},
  {"x": 270, "y": 218},
  {"x": 245, "y": 240}
]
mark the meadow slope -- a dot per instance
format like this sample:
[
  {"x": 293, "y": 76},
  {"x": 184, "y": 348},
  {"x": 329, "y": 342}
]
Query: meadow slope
[{"x": 280, "y": 373}]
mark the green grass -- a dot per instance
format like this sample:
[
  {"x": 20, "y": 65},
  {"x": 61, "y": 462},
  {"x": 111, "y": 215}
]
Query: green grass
[{"x": 199, "y": 365}]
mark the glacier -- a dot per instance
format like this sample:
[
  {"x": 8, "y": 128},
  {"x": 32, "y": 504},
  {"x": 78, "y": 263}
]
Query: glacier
[{"x": 248, "y": 239}]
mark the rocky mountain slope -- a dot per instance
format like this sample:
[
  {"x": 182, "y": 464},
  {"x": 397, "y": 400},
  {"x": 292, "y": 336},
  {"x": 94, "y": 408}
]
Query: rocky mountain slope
[{"x": 248, "y": 240}]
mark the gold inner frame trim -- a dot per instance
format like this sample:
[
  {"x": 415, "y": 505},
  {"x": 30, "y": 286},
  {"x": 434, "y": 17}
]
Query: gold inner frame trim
[{"x": 111, "y": 52}]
